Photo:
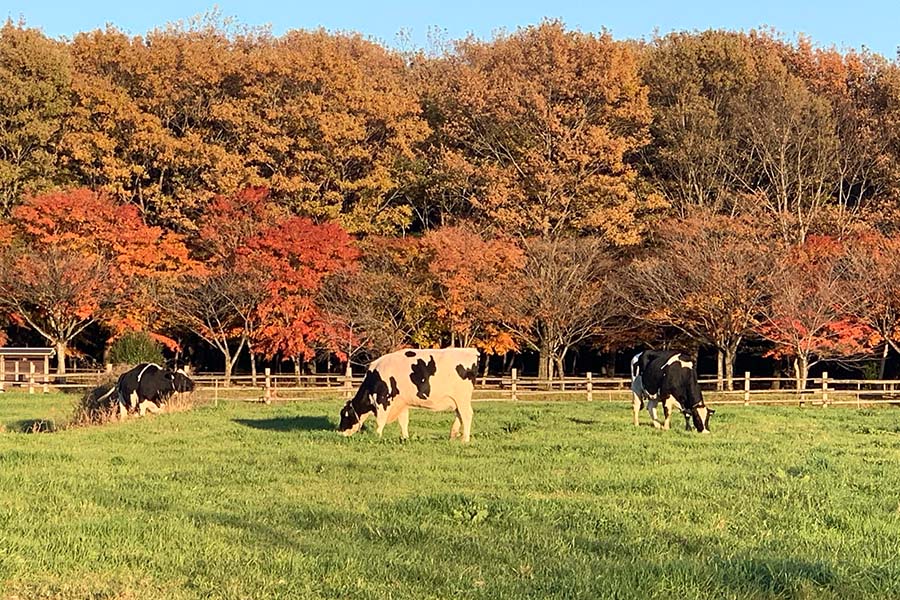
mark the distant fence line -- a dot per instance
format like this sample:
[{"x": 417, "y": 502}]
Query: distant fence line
[{"x": 268, "y": 387}]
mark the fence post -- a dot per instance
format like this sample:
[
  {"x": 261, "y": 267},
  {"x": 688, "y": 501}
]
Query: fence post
[
  {"x": 30, "y": 377},
  {"x": 515, "y": 373},
  {"x": 825, "y": 388},
  {"x": 216, "y": 392},
  {"x": 46, "y": 389},
  {"x": 348, "y": 381},
  {"x": 746, "y": 388},
  {"x": 2, "y": 372},
  {"x": 267, "y": 396},
  {"x": 590, "y": 387},
  {"x": 16, "y": 372}
]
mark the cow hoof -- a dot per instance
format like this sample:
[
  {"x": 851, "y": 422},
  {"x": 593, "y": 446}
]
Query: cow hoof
[{"x": 705, "y": 431}]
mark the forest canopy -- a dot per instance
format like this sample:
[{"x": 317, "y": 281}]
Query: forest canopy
[{"x": 320, "y": 197}]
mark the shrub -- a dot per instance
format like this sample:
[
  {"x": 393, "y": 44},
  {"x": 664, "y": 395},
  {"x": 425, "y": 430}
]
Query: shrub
[
  {"x": 135, "y": 347},
  {"x": 97, "y": 406}
]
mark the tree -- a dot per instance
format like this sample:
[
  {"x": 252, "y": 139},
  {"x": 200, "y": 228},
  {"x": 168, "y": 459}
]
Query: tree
[
  {"x": 34, "y": 104},
  {"x": 386, "y": 304},
  {"x": 297, "y": 255},
  {"x": 873, "y": 265},
  {"x": 539, "y": 126},
  {"x": 707, "y": 278},
  {"x": 558, "y": 300},
  {"x": 77, "y": 258},
  {"x": 809, "y": 315},
  {"x": 471, "y": 273}
]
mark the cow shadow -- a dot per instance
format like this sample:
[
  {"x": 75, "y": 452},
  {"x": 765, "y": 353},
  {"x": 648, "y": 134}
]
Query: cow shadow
[{"x": 285, "y": 424}]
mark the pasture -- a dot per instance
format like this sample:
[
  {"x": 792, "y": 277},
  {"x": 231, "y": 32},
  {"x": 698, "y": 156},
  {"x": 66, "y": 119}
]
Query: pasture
[{"x": 550, "y": 500}]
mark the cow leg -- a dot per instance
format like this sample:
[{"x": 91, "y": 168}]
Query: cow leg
[
  {"x": 670, "y": 404},
  {"x": 123, "y": 412},
  {"x": 651, "y": 409},
  {"x": 403, "y": 420},
  {"x": 464, "y": 410},
  {"x": 149, "y": 406},
  {"x": 454, "y": 429},
  {"x": 380, "y": 422},
  {"x": 636, "y": 407}
]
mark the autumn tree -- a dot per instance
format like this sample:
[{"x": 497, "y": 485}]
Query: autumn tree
[
  {"x": 471, "y": 273},
  {"x": 537, "y": 128},
  {"x": 34, "y": 104},
  {"x": 873, "y": 265},
  {"x": 78, "y": 258},
  {"x": 706, "y": 277},
  {"x": 809, "y": 316},
  {"x": 386, "y": 304},
  {"x": 298, "y": 256},
  {"x": 557, "y": 300}
]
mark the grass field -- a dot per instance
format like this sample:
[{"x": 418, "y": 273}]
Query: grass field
[{"x": 550, "y": 500}]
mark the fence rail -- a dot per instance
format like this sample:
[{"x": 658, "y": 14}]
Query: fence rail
[{"x": 268, "y": 387}]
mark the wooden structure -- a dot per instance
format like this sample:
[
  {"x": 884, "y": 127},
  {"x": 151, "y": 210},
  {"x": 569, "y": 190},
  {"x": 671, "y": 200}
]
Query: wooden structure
[{"x": 22, "y": 367}]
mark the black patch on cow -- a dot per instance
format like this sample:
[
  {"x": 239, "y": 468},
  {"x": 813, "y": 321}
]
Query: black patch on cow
[
  {"x": 467, "y": 373},
  {"x": 395, "y": 391},
  {"x": 420, "y": 375},
  {"x": 409, "y": 353},
  {"x": 150, "y": 382}
]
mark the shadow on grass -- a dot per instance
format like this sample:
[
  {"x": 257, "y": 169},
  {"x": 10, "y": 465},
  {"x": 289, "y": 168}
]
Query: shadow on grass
[
  {"x": 33, "y": 426},
  {"x": 290, "y": 424},
  {"x": 788, "y": 578}
]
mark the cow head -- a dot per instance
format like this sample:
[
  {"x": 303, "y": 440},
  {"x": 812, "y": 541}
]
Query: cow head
[
  {"x": 700, "y": 415},
  {"x": 180, "y": 381},
  {"x": 358, "y": 408}
]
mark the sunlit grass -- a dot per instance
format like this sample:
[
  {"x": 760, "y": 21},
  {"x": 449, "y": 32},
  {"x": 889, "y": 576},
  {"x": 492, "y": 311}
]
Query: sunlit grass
[{"x": 550, "y": 500}]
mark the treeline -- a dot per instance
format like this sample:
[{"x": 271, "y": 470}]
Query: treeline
[{"x": 547, "y": 191}]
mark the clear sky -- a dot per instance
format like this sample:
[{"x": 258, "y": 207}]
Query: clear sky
[{"x": 874, "y": 24}]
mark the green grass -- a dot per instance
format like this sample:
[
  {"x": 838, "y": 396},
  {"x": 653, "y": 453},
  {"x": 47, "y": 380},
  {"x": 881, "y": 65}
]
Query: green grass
[{"x": 550, "y": 500}]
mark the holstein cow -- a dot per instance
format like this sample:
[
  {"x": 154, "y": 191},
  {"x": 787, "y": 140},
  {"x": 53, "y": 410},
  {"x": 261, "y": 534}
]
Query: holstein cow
[
  {"x": 432, "y": 379},
  {"x": 147, "y": 386},
  {"x": 668, "y": 377}
]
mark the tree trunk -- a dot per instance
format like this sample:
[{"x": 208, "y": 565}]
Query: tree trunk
[
  {"x": 252, "y": 365},
  {"x": 229, "y": 365},
  {"x": 298, "y": 367},
  {"x": 60, "y": 357},
  {"x": 882, "y": 364},
  {"x": 728, "y": 359},
  {"x": 720, "y": 368},
  {"x": 544, "y": 358},
  {"x": 560, "y": 369},
  {"x": 801, "y": 371}
]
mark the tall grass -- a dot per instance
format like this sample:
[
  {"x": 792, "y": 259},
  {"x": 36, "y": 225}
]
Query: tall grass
[{"x": 550, "y": 500}]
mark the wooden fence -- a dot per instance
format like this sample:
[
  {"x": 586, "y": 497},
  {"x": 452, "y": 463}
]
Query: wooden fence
[{"x": 269, "y": 387}]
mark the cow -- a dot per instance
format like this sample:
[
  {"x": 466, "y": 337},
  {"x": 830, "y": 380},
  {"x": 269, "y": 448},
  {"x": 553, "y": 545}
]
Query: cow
[
  {"x": 147, "y": 386},
  {"x": 670, "y": 377},
  {"x": 428, "y": 378}
]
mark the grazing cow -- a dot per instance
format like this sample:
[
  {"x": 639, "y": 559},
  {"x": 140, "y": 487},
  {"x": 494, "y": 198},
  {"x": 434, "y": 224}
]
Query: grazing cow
[
  {"x": 669, "y": 377},
  {"x": 147, "y": 386},
  {"x": 432, "y": 379}
]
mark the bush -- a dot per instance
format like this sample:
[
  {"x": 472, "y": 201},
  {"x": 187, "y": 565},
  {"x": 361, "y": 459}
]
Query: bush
[
  {"x": 97, "y": 406},
  {"x": 135, "y": 347}
]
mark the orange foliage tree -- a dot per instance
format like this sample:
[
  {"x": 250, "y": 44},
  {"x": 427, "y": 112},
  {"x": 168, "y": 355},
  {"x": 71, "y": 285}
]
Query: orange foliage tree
[
  {"x": 809, "y": 316},
  {"x": 706, "y": 278},
  {"x": 297, "y": 255},
  {"x": 471, "y": 272},
  {"x": 77, "y": 258},
  {"x": 536, "y": 129}
]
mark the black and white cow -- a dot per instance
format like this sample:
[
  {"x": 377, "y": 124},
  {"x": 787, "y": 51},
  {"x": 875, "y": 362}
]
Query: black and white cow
[
  {"x": 147, "y": 386},
  {"x": 669, "y": 377},
  {"x": 432, "y": 379}
]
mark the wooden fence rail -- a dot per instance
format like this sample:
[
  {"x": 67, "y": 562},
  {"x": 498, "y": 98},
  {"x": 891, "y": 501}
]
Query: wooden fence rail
[{"x": 268, "y": 387}]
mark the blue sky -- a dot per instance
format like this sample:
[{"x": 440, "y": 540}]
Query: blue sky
[{"x": 870, "y": 23}]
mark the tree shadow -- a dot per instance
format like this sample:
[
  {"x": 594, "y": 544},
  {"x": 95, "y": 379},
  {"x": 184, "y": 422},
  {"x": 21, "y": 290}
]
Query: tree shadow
[
  {"x": 781, "y": 577},
  {"x": 303, "y": 423}
]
